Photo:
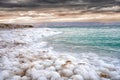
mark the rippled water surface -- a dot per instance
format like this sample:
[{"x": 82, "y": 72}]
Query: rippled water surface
[{"x": 103, "y": 41}]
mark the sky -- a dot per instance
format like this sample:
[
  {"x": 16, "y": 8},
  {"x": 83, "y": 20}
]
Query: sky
[{"x": 36, "y": 11}]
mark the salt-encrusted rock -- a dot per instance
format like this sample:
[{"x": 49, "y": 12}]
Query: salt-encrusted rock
[
  {"x": 104, "y": 75},
  {"x": 47, "y": 63},
  {"x": 104, "y": 79},
  {"x": 15, "y": 63},
  {"x": 51, "y": 68},
  {"x": 65, "y": 78},
  {"x": 39, "y": 66},
  {"x": 16, "y": 77},
  {"x": 42, "y": 78},
  {"x": 58, "y": 63},
  {"x": 17, "y": 71},
  {"x": 115, "y": 77},
  {"x": 66, "y": 72},
  {"x": 24, "y": 66},
  {"x": 6, "y": 62},
  {"x": 77, "y": 77},
  {"x": 68, "y": 64},
  {"x": 25, "y": 78},
  {"x": 4, "y": 74},
  {"x": 82, "y": 71},
  {"x": 35, "y": 74},
  {"x": 55, "y": 76},
  {"x": 93, "y": 75}
]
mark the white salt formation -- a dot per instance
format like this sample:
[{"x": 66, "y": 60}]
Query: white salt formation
[{"x": 22, "y": 57}]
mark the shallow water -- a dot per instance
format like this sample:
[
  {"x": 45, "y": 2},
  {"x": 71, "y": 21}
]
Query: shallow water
[{"x": 103, "y": 41}]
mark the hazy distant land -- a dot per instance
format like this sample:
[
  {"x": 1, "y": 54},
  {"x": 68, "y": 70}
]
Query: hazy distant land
[{"x": 14, "y": 26}]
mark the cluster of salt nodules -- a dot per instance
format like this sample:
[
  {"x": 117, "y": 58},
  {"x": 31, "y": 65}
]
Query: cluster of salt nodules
[{"x": 30, "y": 61}]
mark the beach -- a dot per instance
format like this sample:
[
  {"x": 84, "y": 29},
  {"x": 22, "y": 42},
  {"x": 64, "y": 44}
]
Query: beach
[
  {"x": 59, "y": 39},
  {"x": 24, "y": 55}
]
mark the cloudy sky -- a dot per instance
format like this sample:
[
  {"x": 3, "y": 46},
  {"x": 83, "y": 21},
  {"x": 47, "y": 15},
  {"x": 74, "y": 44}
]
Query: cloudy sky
[{"x": 13, "y": 11}]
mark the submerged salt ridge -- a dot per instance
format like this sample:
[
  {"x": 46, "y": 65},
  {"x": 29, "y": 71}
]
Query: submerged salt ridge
[{"x": 23, "y": 57}]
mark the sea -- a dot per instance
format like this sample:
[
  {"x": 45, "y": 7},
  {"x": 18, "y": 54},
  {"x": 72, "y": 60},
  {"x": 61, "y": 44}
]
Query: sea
[{"x": 100, "y": 40}]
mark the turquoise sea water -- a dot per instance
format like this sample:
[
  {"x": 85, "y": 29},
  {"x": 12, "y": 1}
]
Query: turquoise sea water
[{"x": 102, "y": 41}]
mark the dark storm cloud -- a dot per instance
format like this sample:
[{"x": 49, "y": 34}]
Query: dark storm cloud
[
  {"x": 97, "y": 1},
  {"x": 29, "y": 4}
]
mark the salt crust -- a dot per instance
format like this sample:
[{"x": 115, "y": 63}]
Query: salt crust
[{"x": 22, "y": 57}]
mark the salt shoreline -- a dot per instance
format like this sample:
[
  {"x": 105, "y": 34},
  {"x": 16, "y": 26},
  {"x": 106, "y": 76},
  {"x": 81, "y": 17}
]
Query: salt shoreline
[{"x": 23, "y": 57}]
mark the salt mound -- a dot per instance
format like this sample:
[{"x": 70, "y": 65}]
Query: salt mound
[{"x": 24, "y": 58}]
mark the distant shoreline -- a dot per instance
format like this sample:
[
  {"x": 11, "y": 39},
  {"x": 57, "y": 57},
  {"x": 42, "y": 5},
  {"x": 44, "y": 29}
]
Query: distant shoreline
[{"x": 14, "y": 26}]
